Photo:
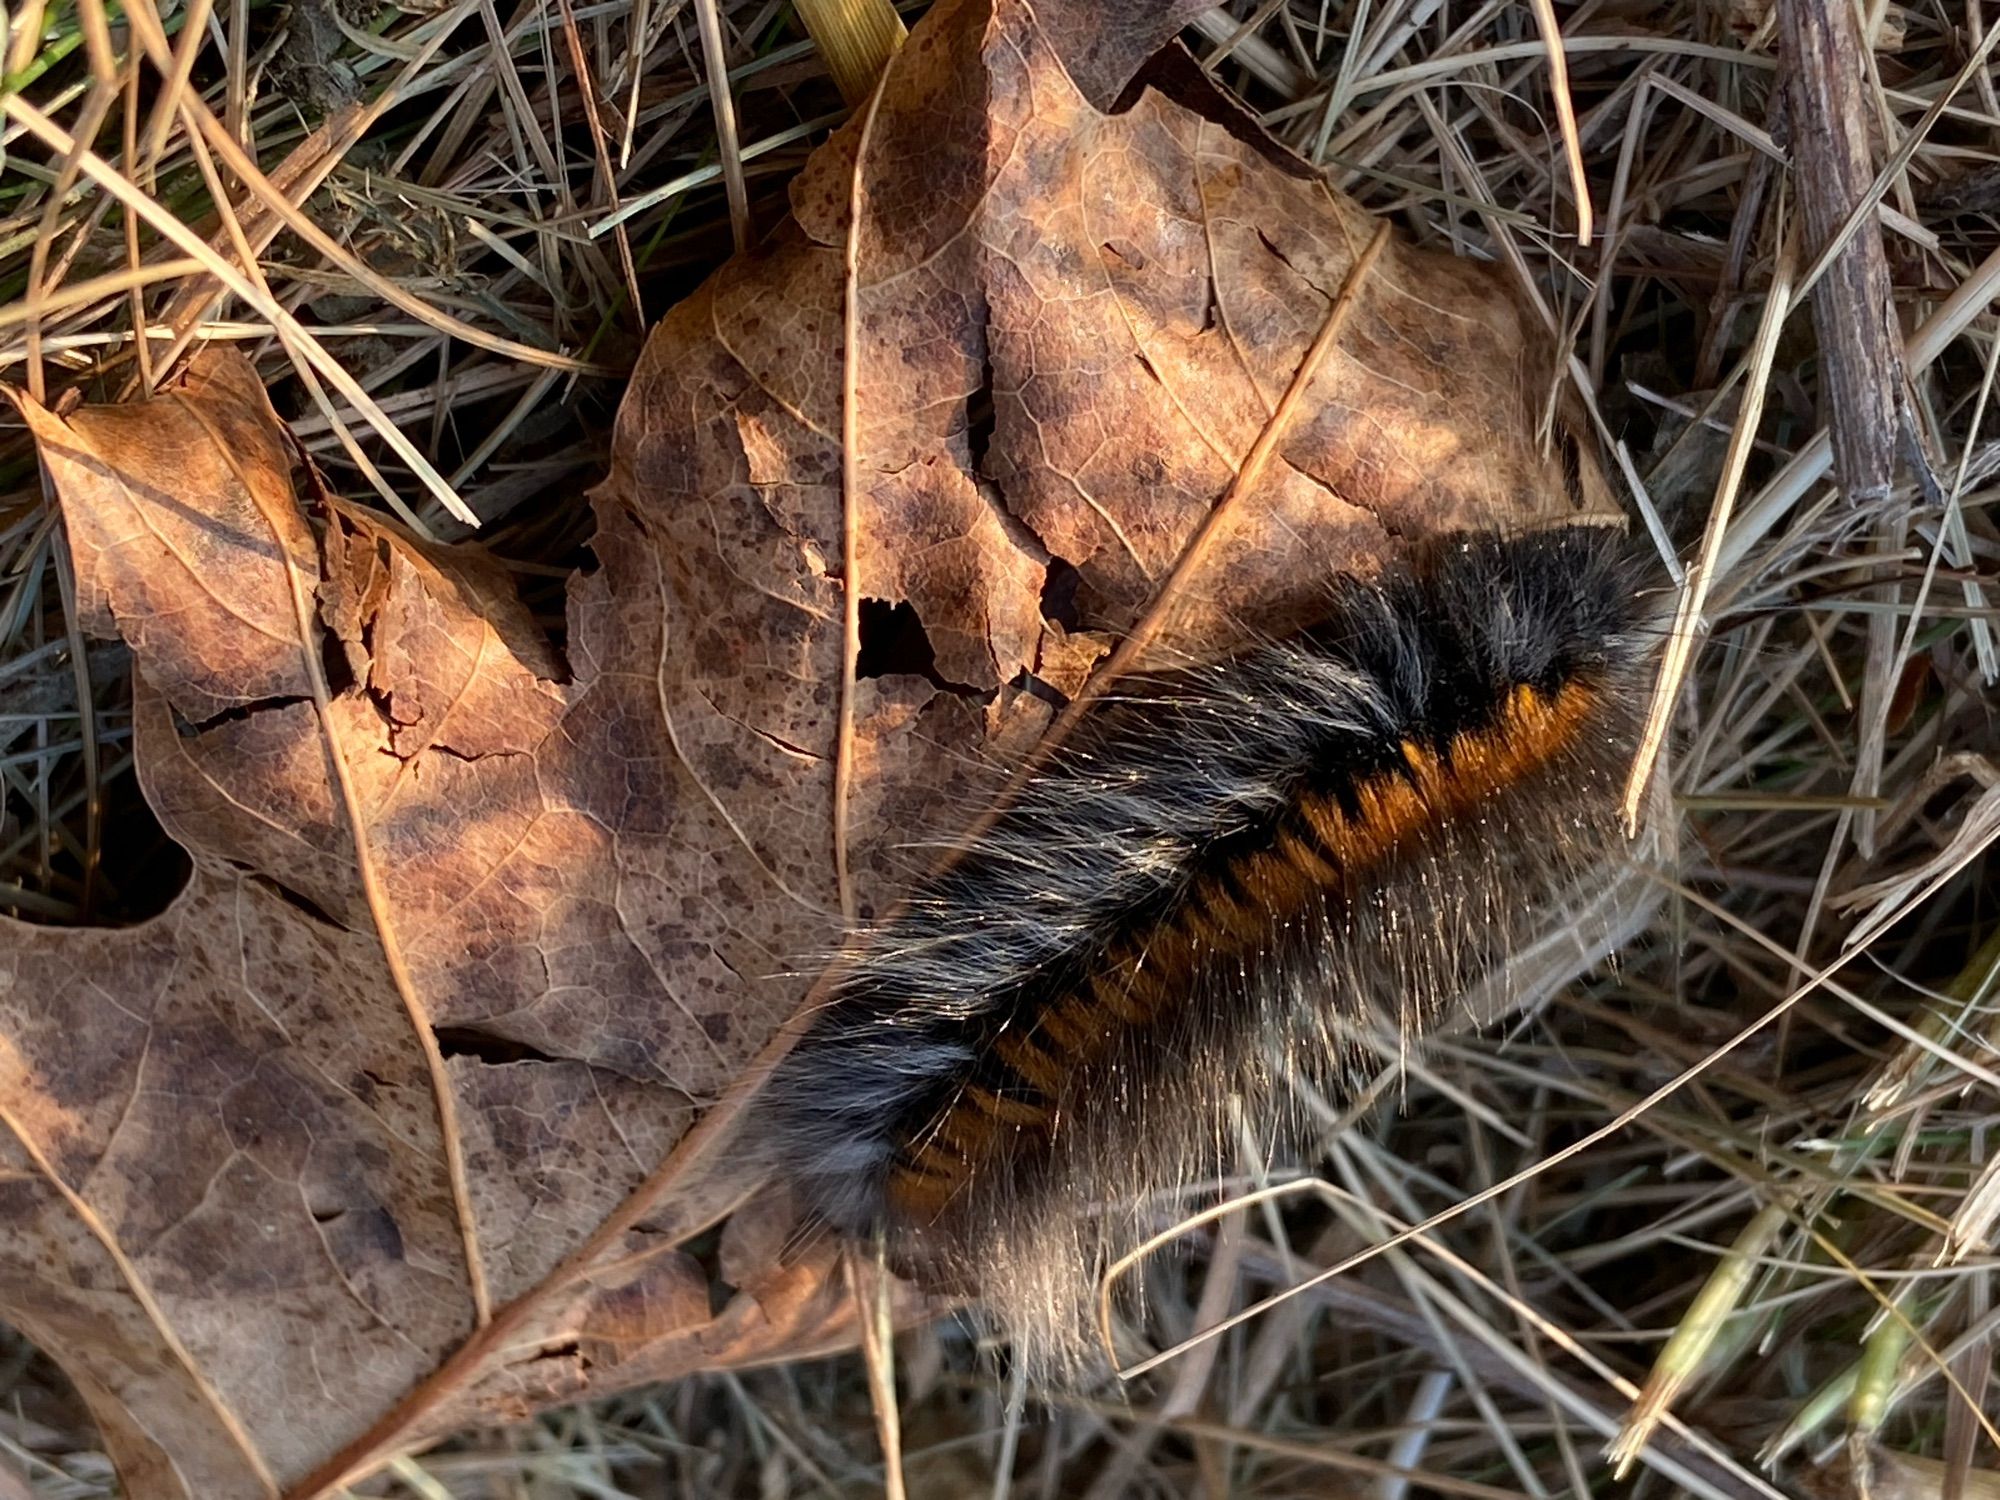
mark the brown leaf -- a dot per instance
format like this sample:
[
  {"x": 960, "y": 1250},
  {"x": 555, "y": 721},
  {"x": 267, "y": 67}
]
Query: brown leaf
[{"x": 375, "y": 1130}]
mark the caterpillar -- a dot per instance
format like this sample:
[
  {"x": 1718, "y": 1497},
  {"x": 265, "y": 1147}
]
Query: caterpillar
[{"x": 1223, "y": 869}]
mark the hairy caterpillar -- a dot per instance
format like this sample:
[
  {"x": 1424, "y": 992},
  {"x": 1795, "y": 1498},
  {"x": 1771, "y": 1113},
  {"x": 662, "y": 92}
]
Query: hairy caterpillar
[{"x": 1222, "y": 866}]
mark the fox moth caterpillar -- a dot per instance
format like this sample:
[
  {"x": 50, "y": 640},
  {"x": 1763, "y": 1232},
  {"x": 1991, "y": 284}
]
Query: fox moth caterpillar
[{"x": 1219, "y": 866}]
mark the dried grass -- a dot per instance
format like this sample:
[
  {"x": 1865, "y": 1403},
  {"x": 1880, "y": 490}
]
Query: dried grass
[{"x": 1828, "y": 1174}]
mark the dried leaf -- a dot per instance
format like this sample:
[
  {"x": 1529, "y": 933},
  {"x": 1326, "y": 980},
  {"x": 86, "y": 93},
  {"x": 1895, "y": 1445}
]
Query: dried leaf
[
  {"x": 229, "y": 1203},
  {"x": 475, "y": 932}
]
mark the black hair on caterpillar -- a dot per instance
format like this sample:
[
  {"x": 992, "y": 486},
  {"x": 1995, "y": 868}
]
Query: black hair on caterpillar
[{"x": 1221, "y": 867}]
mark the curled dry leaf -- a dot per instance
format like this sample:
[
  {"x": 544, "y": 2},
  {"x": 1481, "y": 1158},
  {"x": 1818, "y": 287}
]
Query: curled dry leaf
[{"x": 373, "y": 1132}]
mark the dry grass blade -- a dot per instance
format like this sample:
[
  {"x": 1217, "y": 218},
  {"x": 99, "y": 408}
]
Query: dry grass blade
[
  {"x": 97, "y": 106},
  {"x": 1695, "y": 1336},
  {"x": 1387, "y": 1237},
  {"x": 868, "y": 1284},
  {"x": 1551, "y": 27},
  {"x": 323, "y": 363},
  {"x": 281, "y": 211},
  {"x": 850, "y": 525},
  {"x": 607, "y": 176},
  {"x": 1685, "y": 635},
  {"x": 1811, "y": 464},
  {"x": 857, "y": 37},
  {"x": 716, "y": 56}
]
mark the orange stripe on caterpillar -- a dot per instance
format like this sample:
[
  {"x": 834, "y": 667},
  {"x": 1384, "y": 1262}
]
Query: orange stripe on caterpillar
[
  {"x": 1530, "y": 728},
  {"x": 935, "y": 1167},
  {"x": 924, "y": 1182},
  {"x": 1069, "y": 1024},
  {"x": 1019, "y": 1052},
  {"x": 1280, "y": 881},
  {"x": 1240, "y": 919},
  {"x": 1197, "y": 922},
  {"x": 1295, "y": 849},
  {"x": 922, "y": 1196},
  {"x": 1015, "y": 1112},
  {"x": 967, "y": 1132},
  {"x": 1128, "y": 993}
]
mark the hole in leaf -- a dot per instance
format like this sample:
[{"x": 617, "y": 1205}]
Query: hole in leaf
[
  {"x": 893, "y": 640},
  {"x": 188, "y": 728},
  {"x": 543, "y": 590},
  {"x": 1059, "y": 589},
  {"x": 705, "y": 1250},
  {"x": 981, "y": 417},
  {"x": 486, "y": 1046},
  {"x": 333, "y": 661}
]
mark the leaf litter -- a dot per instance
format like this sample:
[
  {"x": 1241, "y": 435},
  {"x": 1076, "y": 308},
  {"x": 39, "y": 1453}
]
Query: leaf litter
[
  {"x": 473, "y": 932},
  {"x": 984, "y": 493}
]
